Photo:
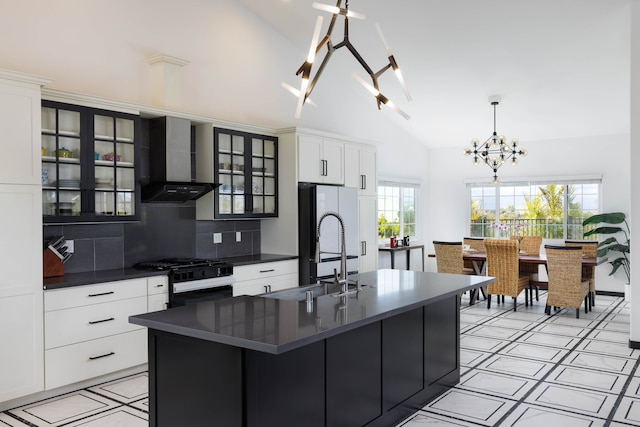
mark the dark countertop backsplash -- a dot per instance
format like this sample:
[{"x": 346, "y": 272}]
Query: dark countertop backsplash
[{"x": 165, "y": 230}]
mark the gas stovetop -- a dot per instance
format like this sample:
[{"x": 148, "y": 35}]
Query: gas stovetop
[{"x": 178, "y": 263}]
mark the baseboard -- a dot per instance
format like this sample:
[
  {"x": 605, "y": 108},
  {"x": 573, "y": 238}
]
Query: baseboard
[{"x": 610, "y": 294}]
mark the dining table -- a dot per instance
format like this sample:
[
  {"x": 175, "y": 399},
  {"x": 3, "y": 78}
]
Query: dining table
[
  {"x": 479, "y": 259},
  {"x": 479, "y": 262}
]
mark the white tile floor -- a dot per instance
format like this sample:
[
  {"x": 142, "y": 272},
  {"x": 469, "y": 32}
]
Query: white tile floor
[
  {"x": 518, "y": 369},
  {"x": 530, "y": 369}
]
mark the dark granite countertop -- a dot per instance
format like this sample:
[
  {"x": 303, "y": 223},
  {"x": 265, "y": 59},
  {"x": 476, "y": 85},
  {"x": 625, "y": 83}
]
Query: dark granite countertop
[
  {"x": 101, "y": 276},
  {"x": 275, "y": 325}
]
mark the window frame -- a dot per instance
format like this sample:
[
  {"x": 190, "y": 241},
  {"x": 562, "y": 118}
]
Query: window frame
[
  {"x": 533, "y": 182},
  {"x": 400, "y": 184}
]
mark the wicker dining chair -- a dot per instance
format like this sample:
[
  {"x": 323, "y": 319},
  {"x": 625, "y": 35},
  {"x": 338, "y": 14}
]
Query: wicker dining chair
[
  {"x": 530, "y": 245},
  {"x": 502, "y": 263},
  {"x": 476, "y": 243},
  {"x": 589, "y": 250},
  {"x": 449, "y": 258},
  {"x": 567, "y": 288}
]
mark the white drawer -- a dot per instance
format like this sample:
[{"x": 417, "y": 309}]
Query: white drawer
[
  {"x": 266, "y": 269},
  {"x": 72, "y": 325},
  {"x": 78, "y": 362},
  {"x": 157, "y": 285},
  {"x": 264, "y": 285},
  {"x": 57, "y": 299},
  {"x": 157, "y": 302}
]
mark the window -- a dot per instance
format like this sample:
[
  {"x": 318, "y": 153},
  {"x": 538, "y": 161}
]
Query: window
[
  {"x": 553, "y": 210},
  {"x": 397, "y": 204}
]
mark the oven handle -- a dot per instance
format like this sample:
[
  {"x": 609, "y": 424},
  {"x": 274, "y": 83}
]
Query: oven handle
[{"x": 196, "y": 285}]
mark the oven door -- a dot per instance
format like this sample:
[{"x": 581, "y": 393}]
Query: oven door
[{"x": 195, "y": 291}]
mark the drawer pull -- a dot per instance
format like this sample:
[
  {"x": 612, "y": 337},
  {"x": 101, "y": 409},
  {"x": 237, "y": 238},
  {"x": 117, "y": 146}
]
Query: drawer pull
[
  {"x": 101, "y": 356},
  {"x": 93, "y": 322},
  {"x": 267, "y": 271},
  {"x": 160, "y": 286},
  {"x": 102, "y": 294}
]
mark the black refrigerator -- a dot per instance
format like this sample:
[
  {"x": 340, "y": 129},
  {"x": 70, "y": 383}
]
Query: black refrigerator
[{"x": 313, "y": 201}]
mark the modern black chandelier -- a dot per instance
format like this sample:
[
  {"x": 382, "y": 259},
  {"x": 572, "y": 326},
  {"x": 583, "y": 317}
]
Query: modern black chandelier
[
  {"x": 308, "y": 83},
  {"x": 494, "y": 152}
]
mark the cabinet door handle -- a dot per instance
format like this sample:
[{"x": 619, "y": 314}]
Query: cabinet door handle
[
  {"x": 101, "y": 294},
  {"x": 101, "y": 356},
  {"x": 94, "y": 322},
  {"x": 269, "y": 287},
  {"x": 326, "y": 168},
  {"x": 363, "y": 248},
  {"x": 363, "y": 182},
  {"x": 267, "y": 271},
  {"x": 160, "y": 286}
]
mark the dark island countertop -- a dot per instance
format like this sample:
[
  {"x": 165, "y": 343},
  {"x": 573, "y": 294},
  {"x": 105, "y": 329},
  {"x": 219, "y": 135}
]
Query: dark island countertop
[
  {"x": 271, "y": 325},
  {"x": 102, "y": 276}
]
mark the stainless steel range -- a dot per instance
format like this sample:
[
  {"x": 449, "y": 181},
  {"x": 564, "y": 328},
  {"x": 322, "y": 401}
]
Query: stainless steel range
[{"x": 193, "y": 280}]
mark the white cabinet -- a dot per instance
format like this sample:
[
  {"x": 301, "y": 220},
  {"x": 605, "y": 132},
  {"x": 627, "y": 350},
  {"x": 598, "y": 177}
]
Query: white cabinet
[
  {"x": 265, "y": 277},
  {"x": 320, "y": 160},
  {"x": 368, "y": 224},
  {"x": 87, "y": 330},
  {"x": 157, "y": 293},
  {"x": 361, "y": 172},
  {"x": 360, "y": 168},
  {"x": 20, "y": 128},
  {"x": 21, "y": 358}
]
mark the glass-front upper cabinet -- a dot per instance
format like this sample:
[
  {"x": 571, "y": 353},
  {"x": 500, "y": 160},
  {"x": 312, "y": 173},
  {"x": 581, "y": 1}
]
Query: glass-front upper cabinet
[
  {"x": 246, "y": 169},
  {"x": 88, "y": 164}
]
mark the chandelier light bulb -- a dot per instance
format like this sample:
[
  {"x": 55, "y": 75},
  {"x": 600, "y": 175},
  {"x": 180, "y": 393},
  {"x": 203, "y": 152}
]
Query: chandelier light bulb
[
  {"x": 306, "y": 68},
  {"x": 514, "y": 161},
  {"x": 337, "y": 11},
  {"x": 524, "y": 152}
]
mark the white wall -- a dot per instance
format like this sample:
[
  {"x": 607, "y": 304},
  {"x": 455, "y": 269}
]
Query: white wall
[{"x": 605, "y": 156}]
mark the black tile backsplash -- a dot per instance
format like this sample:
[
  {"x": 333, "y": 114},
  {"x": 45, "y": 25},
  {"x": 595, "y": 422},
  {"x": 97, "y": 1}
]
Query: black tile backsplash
[{"x": 165, "y": 230}]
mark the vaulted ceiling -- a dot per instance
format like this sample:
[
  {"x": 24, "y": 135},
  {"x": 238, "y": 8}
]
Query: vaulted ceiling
[{"x": 560, "y": 66}]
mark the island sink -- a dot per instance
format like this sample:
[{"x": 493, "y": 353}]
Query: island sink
[
  {"x": 245, "y": 361},
  {"x": 321, "y": 289}
]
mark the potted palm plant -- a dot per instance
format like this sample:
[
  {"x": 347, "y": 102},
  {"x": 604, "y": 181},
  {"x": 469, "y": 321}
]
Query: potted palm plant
[{"x": 609, "y": 224}]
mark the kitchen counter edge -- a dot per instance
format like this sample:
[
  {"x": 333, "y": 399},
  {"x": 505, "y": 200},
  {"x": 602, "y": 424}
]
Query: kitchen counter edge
[{"x": 102, "y": 276}]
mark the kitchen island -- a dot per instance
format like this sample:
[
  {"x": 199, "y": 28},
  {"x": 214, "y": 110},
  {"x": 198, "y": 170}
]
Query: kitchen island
[{"x": 372, "y": 357}]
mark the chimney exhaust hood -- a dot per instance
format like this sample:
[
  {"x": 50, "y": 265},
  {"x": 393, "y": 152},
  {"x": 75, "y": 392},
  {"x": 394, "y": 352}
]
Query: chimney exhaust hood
[{"x": 170, "y": 163}]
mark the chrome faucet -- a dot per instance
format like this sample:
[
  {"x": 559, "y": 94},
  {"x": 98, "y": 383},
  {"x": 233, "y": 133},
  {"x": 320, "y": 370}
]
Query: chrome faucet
[{"x": 342, "y": 278}]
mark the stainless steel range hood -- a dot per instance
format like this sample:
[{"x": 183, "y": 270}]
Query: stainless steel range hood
[{"x": 170, "y": 163}]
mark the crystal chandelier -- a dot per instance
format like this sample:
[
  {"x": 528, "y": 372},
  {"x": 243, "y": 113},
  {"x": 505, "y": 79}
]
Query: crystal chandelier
[
  {"x": 308, "y": 82},
  {"x": 495, "y": 151}
]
